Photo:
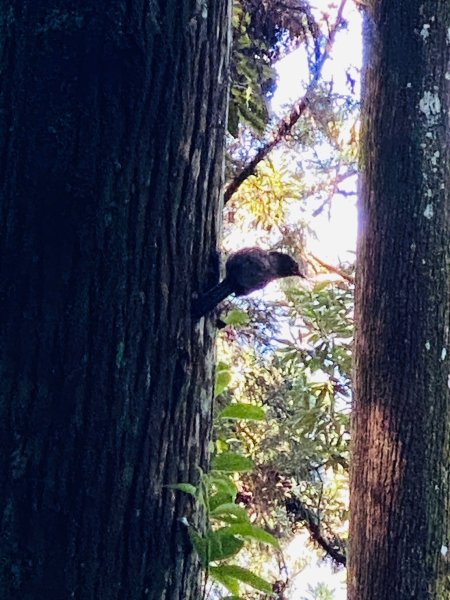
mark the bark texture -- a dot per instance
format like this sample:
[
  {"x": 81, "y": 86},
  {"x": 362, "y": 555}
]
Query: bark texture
[
  {"x": 400, "y": 501},
  {"x": 111, "y": 144}
]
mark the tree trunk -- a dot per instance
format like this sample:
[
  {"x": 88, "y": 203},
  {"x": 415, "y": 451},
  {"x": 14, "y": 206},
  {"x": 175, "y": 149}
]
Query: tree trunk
[
  {"x": 400, "y": 495},
  {"x": 111, "y": 144}
]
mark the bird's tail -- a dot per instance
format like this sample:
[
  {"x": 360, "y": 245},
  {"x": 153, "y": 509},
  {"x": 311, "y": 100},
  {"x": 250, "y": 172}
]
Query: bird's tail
[{"x": 210, "y": 299}]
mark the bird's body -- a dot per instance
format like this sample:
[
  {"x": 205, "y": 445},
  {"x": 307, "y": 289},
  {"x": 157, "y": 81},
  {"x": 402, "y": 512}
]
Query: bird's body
[{"x": 247, "y": 270}]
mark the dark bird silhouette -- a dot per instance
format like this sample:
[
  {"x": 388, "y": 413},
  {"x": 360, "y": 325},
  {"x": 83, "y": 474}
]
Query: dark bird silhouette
[{"x": 247, "y": 270}]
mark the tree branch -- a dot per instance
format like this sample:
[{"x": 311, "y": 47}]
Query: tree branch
[
  {"x": 285, "y": 126},
  {"x": 300, "y": 513},
  {"x": 333, "y": 269},
  {"x": 334, "y": 188}
]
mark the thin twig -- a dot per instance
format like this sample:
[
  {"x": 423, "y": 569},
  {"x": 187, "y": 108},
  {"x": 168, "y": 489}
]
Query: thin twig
[
  {"x": 285, "y": 126},
  {"x": 300, "y": 513},
  {"x": 333, "y": 269},
  {"x": 330, "y": 195}
]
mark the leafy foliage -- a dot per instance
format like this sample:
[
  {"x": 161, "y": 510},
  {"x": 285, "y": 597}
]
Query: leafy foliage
[
  {"x": 304, "y": 385},
  {"x": 262, "y": 33},
  {"x": 228, "y": 527},
  {"x": 253, "y": 78}
]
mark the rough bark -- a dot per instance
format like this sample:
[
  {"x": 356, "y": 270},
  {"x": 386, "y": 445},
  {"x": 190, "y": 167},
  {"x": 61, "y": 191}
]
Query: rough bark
[
  {"x": 400, "y": 501},
  {"x": 111, "y": 145}
]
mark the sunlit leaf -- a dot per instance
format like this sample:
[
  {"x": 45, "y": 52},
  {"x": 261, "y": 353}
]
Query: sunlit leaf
[
  {"x": 228, "y": 581},
  {"x": 232, "y": 463},
  {"x": 188, "y": 488},
  {"x": 236, "y": 317},
  {"x": 223, "y": 378},
  {"x": 229, "y": 509},
  {"x": 248, "y": 412},
  {"x": 252, "y": 531},
  {"x": 241, "y": 574}
]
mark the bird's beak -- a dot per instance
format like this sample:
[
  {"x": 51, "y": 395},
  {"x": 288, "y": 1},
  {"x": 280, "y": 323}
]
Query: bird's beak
[{"x": 299, "y": 273}]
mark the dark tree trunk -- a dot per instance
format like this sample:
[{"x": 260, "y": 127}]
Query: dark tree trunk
[
  {"x": 400, "y": 496},
  {"x": 111, "y": 144}
]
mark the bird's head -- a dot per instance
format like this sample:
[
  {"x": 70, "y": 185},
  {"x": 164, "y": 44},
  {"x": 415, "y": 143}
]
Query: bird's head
[{"x": 284, "y": 265}]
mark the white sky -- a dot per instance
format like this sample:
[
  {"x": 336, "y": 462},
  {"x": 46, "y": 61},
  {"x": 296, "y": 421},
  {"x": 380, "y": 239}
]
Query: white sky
[{"x": 335, "y": 228}]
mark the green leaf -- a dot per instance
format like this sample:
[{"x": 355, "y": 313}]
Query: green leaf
[
  {"x": 234, "y": 572},
  {"x": 322, "y": 285},
  {"x": 188, "y": 488},
  {"x": 224, "y": 485},
  {"x": 219, "y": 499},
  {"x": 232, "y": 463},
  {"x": 222, "y": 544},
  {"x": 200, "y": 545},
  {"x": 231, "y": 583},
  {"x": 249, "y": 412},
  {"x": 221, "y": 445},
  {"x": 248, "y": 530},
  {"x": 229, "y": 509},
  {"x": 223, "y": 378},
  {"x": 215, "y": 545},
  {"x": 236, "y": 317}
]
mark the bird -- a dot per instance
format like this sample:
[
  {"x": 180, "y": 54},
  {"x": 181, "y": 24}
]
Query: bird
[{"x": 247, "y": 270}]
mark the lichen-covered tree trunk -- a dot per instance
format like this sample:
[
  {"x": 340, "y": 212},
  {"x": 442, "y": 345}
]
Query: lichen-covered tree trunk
[
  {"x": 112, "y": 119},
  {"x": 400, "y": 495}
]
